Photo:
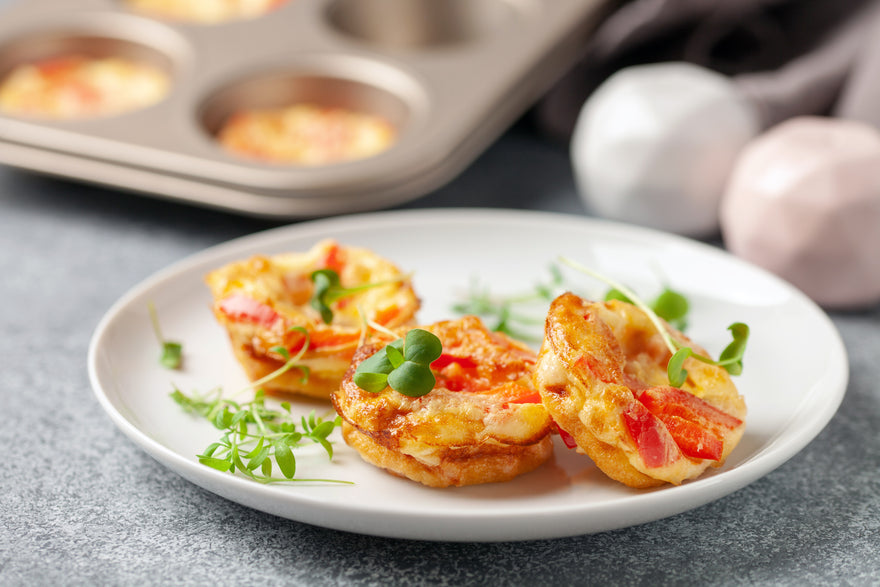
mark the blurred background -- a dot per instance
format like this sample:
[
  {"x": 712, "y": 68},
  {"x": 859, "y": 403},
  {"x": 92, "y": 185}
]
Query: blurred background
[
  {"x": 134, "y": 133},
  {"x": 750, "y": 123}
]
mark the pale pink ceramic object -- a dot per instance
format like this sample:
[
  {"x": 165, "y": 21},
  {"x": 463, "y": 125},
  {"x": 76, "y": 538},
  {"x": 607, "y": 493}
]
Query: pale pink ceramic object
[{"x": 803, "y": 201}]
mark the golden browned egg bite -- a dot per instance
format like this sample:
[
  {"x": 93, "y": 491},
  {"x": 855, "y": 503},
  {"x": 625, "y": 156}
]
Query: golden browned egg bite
[
  {"x": 306, "y": 134},
  {"x": 481, "y": 420},
  {"x": 77, "y": 86},
  {"x": 204, "y": 11},
  {"x": 267, "y": 302},
  {"x": 602, "y": 375}
]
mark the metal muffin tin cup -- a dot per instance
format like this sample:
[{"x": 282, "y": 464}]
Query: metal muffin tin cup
[{"x": 449, "y": 75}]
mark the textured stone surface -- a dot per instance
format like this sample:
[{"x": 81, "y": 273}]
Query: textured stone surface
[
  {"x": 654, "y": 145},
  {"x": 804, "y": 202},
  {"x": 82, "y": 505}
]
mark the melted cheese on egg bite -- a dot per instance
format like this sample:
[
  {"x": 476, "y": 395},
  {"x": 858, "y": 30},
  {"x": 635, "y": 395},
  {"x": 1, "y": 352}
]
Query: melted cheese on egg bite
[
  {"x": 602, "y": 374},
  {"x": 76, "y": 86},
  {"x": 482, "y": 422},
  {"x": 264, "y": 302},
  {"x": 306, "y": 134},
  {"x": 204, "y": 11}
]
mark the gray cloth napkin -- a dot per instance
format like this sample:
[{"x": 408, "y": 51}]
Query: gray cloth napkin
[{"x": 790, "y": 56}]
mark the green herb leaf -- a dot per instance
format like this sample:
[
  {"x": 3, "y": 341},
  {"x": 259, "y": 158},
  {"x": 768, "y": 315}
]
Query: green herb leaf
[
  {"x": 327, "y": 447},
  {"x": 372, "y": 382},
  {"x": 672, "y": 307},
  {"x": 675, "y": 370},
  {"x": 238, "y": 463},
  {"x": 171, "y": 356},
  {"x": 328, "y": 289},
  {"x": 412, "y": 379},
  {"x": 323, "y": 429},
  {"x": 306, "y": 373},
  {"x": 403, "y": 364},
  {"x": 212, "y": 448},
  {"x": 258, "y": 459},
  {"x": 219, "y": 464},
  {"x": 422, "y": 347},
  {"x": 285, "y": 459},
  {"x": 395, "y": 357},
  {"x": 256, "y": 450},
  {"x": 377, "y": 363},
  {"x": 222, "y": 419},
  {"x": 616, "y": 294},
  {"x": 285, "y": 354},
  {"x": 732, "y": 356},
  {"x": 669, "y": 305},
  {"x": 325, "y": 280}
]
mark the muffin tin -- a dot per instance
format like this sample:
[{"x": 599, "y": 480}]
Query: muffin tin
[{"x": 450, "y": 75}]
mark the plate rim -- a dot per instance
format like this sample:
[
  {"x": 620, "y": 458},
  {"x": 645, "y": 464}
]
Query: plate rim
[{"x": 443, "y": 525}]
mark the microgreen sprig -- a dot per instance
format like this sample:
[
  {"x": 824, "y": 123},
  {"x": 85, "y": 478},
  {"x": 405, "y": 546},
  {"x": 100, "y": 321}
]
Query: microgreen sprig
[
  {"x": 404, "y": 365},
  {"x": 253, "y": 435},
  {"x": 289, "y": 362},
  {"x": 171, "y": 356},
  {"x": 670, "y": 305},
  {"x": 731, "y": 358},
  {"x": 507, "y": 310},
  {"x": 328, "y": 289}
]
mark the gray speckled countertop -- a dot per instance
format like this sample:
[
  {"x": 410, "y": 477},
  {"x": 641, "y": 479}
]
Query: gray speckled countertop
[{"x": 82, "y": 505}]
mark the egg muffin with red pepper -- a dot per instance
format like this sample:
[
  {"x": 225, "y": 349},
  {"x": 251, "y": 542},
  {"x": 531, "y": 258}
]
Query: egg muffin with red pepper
[
  {"x": 306, "y": 134},
  {"x": 204, "y": 11},
  {"x": 311, "y": 308},
  {"x": 468, "y": 414},
  {"x": 78, "y": 86},
  {"x": 602, "y": 374}
]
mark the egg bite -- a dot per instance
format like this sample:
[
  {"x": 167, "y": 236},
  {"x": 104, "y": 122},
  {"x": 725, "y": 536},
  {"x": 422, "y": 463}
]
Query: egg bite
[
  {"x": 482, "y": 422},
  {"x": 265, "y": 302},
  {"x": 204, "y": 11},
  {"x": 602, "y": 374},
  {"x": 306, "y": 134},
  {"x": 77, "y": 86}
]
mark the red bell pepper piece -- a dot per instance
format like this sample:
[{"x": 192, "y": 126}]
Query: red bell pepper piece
[
  {"x": 693, "y": 440},
  {"x": 333, "y": 259},
  {"x": 677, "y": 402},
  {"x": 696, "y": 425},
  {"x": 529, "y": 398},
  {"x": 567, "y": 438},
  {"x": 239, "y": 307},
  {"x": 446, "y": 359},
  {"x": 655, "y": 444}
]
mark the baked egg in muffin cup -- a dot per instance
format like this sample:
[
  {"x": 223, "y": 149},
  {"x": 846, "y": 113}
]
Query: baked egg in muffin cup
[{"x": 312, "y": 309}]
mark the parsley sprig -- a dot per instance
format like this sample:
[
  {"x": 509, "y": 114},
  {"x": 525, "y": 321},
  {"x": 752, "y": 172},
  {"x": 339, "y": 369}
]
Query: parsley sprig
[
  {"x": 404, "y": 365},
  {"x": 731, "y": 358},
  {"x": 328, "y": 289}
]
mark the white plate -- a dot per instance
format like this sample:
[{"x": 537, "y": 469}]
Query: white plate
[{"x": 794, "y": 379}]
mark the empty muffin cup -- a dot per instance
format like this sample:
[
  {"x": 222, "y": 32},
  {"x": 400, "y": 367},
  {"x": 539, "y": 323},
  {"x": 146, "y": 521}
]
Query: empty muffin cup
[
  {"x": 307, "y": 120},
  {"x": 418, "y": 23},
  {"x": 205, "y": 12},
  {"x": 63, "y": 77}
]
